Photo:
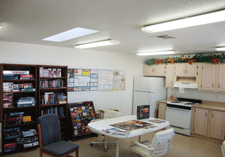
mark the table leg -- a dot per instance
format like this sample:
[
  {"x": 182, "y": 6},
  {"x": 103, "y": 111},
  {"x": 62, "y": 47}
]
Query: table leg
[
  {"x": 140, "y": 138},
  {"x": 118, "y": 147}
]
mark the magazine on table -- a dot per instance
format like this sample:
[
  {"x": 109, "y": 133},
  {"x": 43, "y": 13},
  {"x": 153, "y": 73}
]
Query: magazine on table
[{"x": 116, "y": 131}]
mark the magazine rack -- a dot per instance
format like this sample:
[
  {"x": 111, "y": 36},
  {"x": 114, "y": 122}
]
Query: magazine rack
[{"x": 80, "y": 115}]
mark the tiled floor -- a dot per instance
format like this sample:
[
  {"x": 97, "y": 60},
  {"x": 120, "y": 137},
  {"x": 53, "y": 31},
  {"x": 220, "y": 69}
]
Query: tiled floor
[{"x": 182, "y": 146}]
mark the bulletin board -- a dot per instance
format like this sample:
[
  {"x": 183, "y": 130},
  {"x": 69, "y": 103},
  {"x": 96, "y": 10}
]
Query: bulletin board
[
  {"x": 82, "y": 80},
  {"x": 95, "y": 80}
]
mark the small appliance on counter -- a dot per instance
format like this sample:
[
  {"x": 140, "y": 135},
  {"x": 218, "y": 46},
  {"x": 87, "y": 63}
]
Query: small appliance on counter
[{"x": 178, "y": 113}]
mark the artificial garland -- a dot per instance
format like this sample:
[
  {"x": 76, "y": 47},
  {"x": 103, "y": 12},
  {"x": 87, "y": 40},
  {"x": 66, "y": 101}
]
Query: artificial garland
[{"x": 199, "y": 58}]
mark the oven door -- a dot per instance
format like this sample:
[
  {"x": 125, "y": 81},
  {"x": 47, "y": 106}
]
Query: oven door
[{"x": 180, "y": 118}]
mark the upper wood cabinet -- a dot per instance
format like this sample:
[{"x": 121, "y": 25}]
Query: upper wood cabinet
[
  {"x": 208, "y": 77},
  {"x": 169, "y": 75},
  {"x": 186, "y": 70},
  {"x": 154, "y": 70},
  {"x": 221, "y": 85}
]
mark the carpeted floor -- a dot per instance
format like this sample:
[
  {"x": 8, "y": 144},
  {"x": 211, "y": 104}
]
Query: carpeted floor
[{"x": 182, "y": 146}]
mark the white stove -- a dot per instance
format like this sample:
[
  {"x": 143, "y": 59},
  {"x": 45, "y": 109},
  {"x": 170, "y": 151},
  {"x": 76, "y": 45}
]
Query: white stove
[{"x": 178, "y": 113}]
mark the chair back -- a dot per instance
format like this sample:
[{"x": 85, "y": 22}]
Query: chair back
[
  {"x": 161, "y": 142},
  {"x": 223, "y": 149},
  {"x": 50, "y": 132},
  {"x": 111, "y": 114}
]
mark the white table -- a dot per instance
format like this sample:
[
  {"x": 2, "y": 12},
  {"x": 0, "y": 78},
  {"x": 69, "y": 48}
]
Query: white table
[{"x": 98, "y": 126}]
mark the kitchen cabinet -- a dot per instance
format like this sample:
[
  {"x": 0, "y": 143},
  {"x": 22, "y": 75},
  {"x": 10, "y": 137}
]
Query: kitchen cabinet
[
  {"x": 221, "y": 85},
  {"x": 201, "y": 120},
  {"x": 162, "y": 111},
  {"x": 148, "y": 70},
  {"x": 208, "y": 77},
  {"x": 209, "y": 123},
  {"x": 217, "y": 125},
  {"x": 169, "y": 75},
  {"x": 154, "y": 70},
  {"x": 186, "y": 70}
]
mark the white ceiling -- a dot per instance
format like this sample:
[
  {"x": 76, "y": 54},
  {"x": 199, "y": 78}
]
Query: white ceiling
[{"x": 29, "y": 21}]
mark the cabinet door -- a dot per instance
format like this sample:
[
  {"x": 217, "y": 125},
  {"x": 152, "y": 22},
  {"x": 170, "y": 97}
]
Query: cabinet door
[
  {"x": 148, "y": 70},
  {"x": 162, "y": 111},
  {"x": 191, "y": 70},
  {"x": 169, "y": 75},
  {"x": 208, "y": 77},
  {"x": 222, "y": 78},
  {"x": 201, "y": 120},
  {"x": 217, "y": 127},
  {"x": 159, "y": 70},
  {"x": 180, "y": 70}
]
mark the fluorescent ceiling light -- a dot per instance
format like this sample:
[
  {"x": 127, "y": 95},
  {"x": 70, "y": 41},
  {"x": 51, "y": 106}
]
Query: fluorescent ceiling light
[
  {"x": 156, "y": 53},
  {"x": 70, "y": 34},
  {"x": 97, "y": 44},
  {"x": 220, "y": 49},
  {"x": 186, "y": 22}
]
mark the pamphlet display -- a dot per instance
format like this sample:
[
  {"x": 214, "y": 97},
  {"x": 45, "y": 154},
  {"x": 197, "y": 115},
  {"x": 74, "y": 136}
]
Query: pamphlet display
[{"x": 81, "y": 114}]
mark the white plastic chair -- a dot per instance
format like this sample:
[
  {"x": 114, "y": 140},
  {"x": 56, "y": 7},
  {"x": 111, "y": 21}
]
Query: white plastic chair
[
  {"x": 107, "y": 115},
  {"x": 159, "y": 146},
  {"x": 223, "y": 149}
]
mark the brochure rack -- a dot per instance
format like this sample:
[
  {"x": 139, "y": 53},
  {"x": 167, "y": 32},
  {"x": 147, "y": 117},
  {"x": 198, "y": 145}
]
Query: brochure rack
[{"x": 80, "y": 115}]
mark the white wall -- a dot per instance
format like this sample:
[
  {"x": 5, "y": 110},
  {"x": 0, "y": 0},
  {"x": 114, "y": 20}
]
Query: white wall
[
  {"x": 196, "y": 94},
  {"x": 19, "y": 53}
]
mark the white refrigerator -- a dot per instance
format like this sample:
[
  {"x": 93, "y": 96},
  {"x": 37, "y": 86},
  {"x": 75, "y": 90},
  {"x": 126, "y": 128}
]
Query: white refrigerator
[{"x": 148, "y": 91}]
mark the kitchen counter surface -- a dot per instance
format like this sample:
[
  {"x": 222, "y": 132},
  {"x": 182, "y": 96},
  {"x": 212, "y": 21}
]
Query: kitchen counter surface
[
  {"x": 211, "y": 105},
  {"x": 206, "y": 105}
]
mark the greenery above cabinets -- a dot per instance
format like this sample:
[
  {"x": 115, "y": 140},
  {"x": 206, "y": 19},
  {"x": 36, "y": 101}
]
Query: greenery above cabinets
[{"x": 197, "y": 58}]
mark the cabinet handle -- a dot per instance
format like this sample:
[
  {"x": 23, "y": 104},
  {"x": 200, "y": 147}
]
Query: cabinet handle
[
  {"x": 212, "y": 84},
  {"x": 219, "y": 85},
  {"x": 206, "y": 114}
]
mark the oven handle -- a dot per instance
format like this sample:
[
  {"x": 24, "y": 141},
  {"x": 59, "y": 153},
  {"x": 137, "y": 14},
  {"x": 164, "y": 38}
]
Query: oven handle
[{"x": 173, "y": 108}]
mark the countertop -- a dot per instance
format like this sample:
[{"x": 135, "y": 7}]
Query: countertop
[{"x": 206, "y": 105}]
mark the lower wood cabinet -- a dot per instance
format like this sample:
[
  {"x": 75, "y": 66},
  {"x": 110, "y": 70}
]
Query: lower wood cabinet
[
  {"x": 201, "y": 121},
  {"x": 209, "y": 123},
  {"x": 162, "y": 111}
]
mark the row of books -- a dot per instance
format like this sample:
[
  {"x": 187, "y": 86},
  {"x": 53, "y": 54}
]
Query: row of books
[
  {"x": 11, "y": 87},
  {"x": 16, "y": 75},
  {"x": 51, "y": 83},
  {"x": 53, "y": 98},
  {"x": 54, "y": 110},
  {"x": 50, "y": 72}
]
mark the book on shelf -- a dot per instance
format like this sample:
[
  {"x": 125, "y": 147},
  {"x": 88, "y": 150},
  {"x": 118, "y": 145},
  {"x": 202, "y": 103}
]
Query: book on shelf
[
  {"x": 7, "y": 100},
  {"x": 14, "y": 72},
  {"x": 28, "y": 90},
  {"x": 27, "y": 85},
  {"x": 26, "y": 76},
  {"x": 7, "y": 86},
  {"x": 50, "y": 72}
]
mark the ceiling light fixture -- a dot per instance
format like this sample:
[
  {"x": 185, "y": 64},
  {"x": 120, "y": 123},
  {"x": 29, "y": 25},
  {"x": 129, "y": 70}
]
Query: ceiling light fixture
[
  {"x": 186, "y": 22},
  {"x": 0, "y": 26},
  {"x": 70, "y": 34},
  {"x": 97, "y": 44},
  {"x": 220, "y": 49},
  {"x": 156, "y": 53}
]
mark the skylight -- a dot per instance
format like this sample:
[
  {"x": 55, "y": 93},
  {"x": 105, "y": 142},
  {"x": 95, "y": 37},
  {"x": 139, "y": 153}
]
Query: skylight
[{"x": 70, "y": 34}]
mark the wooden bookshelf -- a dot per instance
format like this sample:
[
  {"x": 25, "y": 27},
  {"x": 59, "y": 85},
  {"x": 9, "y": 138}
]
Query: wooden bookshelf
[
  {"x": 52, "y": 86},
  {"x": 14, "y": 74}
]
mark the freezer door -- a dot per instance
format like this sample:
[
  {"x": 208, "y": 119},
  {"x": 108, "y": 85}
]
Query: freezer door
[
  {"x": 141, "y": 98},
  {"x": 143, "y": 84}
]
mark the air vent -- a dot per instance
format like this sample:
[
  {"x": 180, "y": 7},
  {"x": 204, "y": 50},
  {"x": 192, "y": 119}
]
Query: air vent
[{"x": 165, "y": 36}]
